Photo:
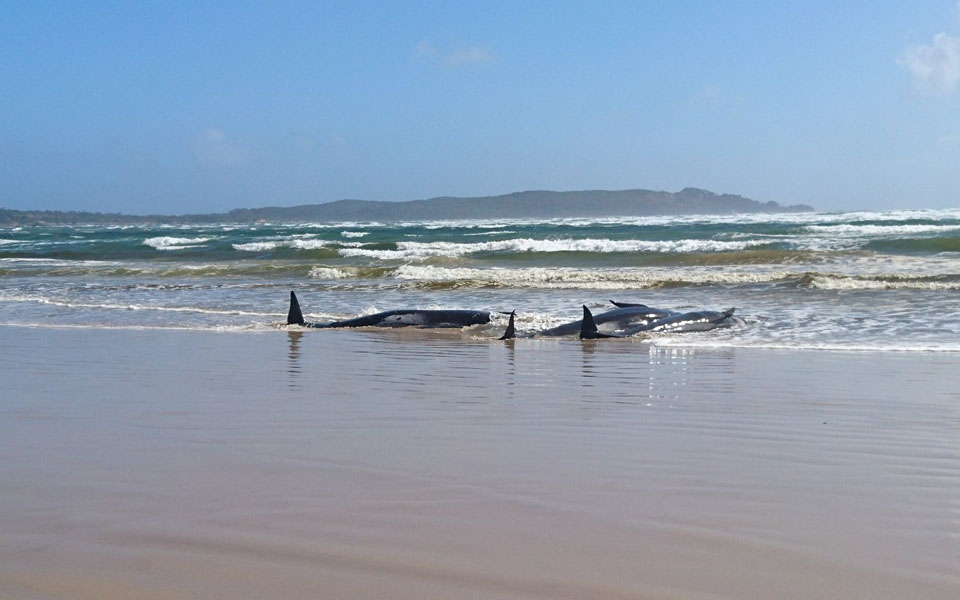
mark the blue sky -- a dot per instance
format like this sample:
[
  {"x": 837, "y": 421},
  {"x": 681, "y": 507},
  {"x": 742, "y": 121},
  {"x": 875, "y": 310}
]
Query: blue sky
[{"x": 156, "y": 107}]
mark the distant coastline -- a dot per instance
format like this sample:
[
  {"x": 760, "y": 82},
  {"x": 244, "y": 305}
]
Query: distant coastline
[{"x": 518, "y": 205}]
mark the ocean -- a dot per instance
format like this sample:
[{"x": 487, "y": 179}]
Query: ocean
[{"x": 873, "y": 281}]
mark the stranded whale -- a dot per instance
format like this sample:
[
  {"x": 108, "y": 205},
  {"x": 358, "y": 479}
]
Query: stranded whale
[
  {"x": 701, "y": 320},
  {"x": 624, "y": 321},
  {"x": 396, "y": 318},
  {"x": 622, "y": 317}
]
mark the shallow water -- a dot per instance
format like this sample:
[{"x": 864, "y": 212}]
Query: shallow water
[
  {"x": 882, "y": 281},
  {"x": 419, "y": 464}
]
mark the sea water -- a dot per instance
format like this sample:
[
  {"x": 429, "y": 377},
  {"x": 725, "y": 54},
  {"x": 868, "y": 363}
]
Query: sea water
[{"x": 876, "y": 281}]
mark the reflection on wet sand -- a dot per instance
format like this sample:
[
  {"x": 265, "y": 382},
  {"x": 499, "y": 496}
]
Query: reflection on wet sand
[
  {"x": 293, "y": 358},
  {"x": 435, "y": 465}
]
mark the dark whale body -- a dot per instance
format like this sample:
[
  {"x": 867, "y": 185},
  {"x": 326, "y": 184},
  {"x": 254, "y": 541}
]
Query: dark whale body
[
  {"x": 395, "y": 318},
  {"x": 626, "y": 316},
  {"x": 701, "y": 320}
]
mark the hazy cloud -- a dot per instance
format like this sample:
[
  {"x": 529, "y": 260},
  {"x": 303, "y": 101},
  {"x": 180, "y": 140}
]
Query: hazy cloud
[
  {"x": 709, "y": 94},
  {"x": 949, "y": 141},
  {"x": 937, "y": 66},
  {"x": 213, "y": 148},
  {"x": 302, "y": 143},
  {"x": 455, "y": 57}
]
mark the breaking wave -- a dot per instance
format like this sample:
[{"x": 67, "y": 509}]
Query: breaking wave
[
  {"x": 849, "y": 230},
  {"x": 296, "y": 244},
  {"x": 418, "y": 250},
  {"x": 175, "y": 243},
  {"x": 652, "y": 278}
]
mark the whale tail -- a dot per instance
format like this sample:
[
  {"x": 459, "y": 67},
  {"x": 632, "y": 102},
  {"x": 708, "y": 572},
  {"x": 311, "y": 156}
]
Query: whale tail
[
  {"x": 294, "y": 316},
  {"x": 511, "y": 331}
]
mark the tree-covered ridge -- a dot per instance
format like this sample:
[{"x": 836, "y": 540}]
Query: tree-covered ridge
[{"x": 519, "y": 205}]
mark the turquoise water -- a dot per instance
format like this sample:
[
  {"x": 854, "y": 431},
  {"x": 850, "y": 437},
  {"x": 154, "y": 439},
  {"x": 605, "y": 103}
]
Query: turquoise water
[{"x": 870, "y": 281}]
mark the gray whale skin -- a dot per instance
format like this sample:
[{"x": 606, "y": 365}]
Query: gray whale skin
[{"x": 395, "y": 318}]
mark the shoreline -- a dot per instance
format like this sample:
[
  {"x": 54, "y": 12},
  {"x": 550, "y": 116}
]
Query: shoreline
[{"x": 674, "y": 341}]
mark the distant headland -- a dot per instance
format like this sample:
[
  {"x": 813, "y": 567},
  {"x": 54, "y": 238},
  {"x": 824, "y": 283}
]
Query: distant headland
[{"x": 518, "y": 205}]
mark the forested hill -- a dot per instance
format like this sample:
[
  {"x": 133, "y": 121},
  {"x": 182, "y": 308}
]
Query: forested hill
[{"x": 518, "y": 205}]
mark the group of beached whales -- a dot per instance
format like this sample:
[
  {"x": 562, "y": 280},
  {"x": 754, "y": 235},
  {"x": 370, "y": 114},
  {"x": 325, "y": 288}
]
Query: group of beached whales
[{"x": 626, "y": 320}]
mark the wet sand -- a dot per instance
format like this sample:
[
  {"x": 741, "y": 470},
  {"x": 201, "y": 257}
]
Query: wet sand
[{"x": 411, "y": 464}]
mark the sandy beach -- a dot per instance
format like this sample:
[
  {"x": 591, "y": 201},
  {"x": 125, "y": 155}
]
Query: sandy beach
[{"x": 412, "y": 464}]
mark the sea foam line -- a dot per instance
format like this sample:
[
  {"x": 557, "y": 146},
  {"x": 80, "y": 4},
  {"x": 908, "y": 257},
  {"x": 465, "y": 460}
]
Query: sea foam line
[
  {"x": 649, "y": 277},
  {"x": 175, "y": 243},
  {"x": 332, "y": 273},
  {"x": 252, "y": 328},
  {"x": 412, "y": 250},
  {"x": 851, "y": 230},
  {"x": 686, "y": 341},
  {"x": 826, "y": 281},
  {"x": 184, "y": 309},
  {"x": 297, "y": 244},
  {"x": 566, "y": 277}
]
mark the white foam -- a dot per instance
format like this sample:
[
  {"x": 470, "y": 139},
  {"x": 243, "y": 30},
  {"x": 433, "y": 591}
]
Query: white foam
[
  {"x": 844, "y": 282},
  {"x": 256, "y": 246},
  {"x": 627, "y": 278},
  {"x": 137, "y": 307},
  {"x": 56, "y": 262},
  {"x": 848, "y": 230},
  {"x": 296, "y": 244},
  {"x": 416, "y": 250},
  {"x": 251, "y": 328},
  {"x": 483, "y": 233},
  {"x": 692, "y": 341},
  {"x": 348, "y": 225},
  {"x": 175, "y": 243},
  {"x": 331, "y": 273},
  {"x": 573, "y": 278},
  {"x": 354, "y": 234}
]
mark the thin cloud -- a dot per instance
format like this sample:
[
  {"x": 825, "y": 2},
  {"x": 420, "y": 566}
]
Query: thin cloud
[
  {"x": 453, "y": 58},
  {"x": 213, "y": 148},
  {"x": 709, "y": 93},
  {"x": 949, "y": 141},
  {"x": 935, "y": 67}
]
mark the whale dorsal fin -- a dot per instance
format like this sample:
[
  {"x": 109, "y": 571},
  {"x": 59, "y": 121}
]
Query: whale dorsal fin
[
  {"x": 588, "y": 327},
  {"x": 627, "y": 304},
  {"x": 294, "y": 316},
  {"x": 511, "y": 331}
]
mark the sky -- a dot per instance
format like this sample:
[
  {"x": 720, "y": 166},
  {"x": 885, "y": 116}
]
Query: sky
[{"x": 159, "y": 107}]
